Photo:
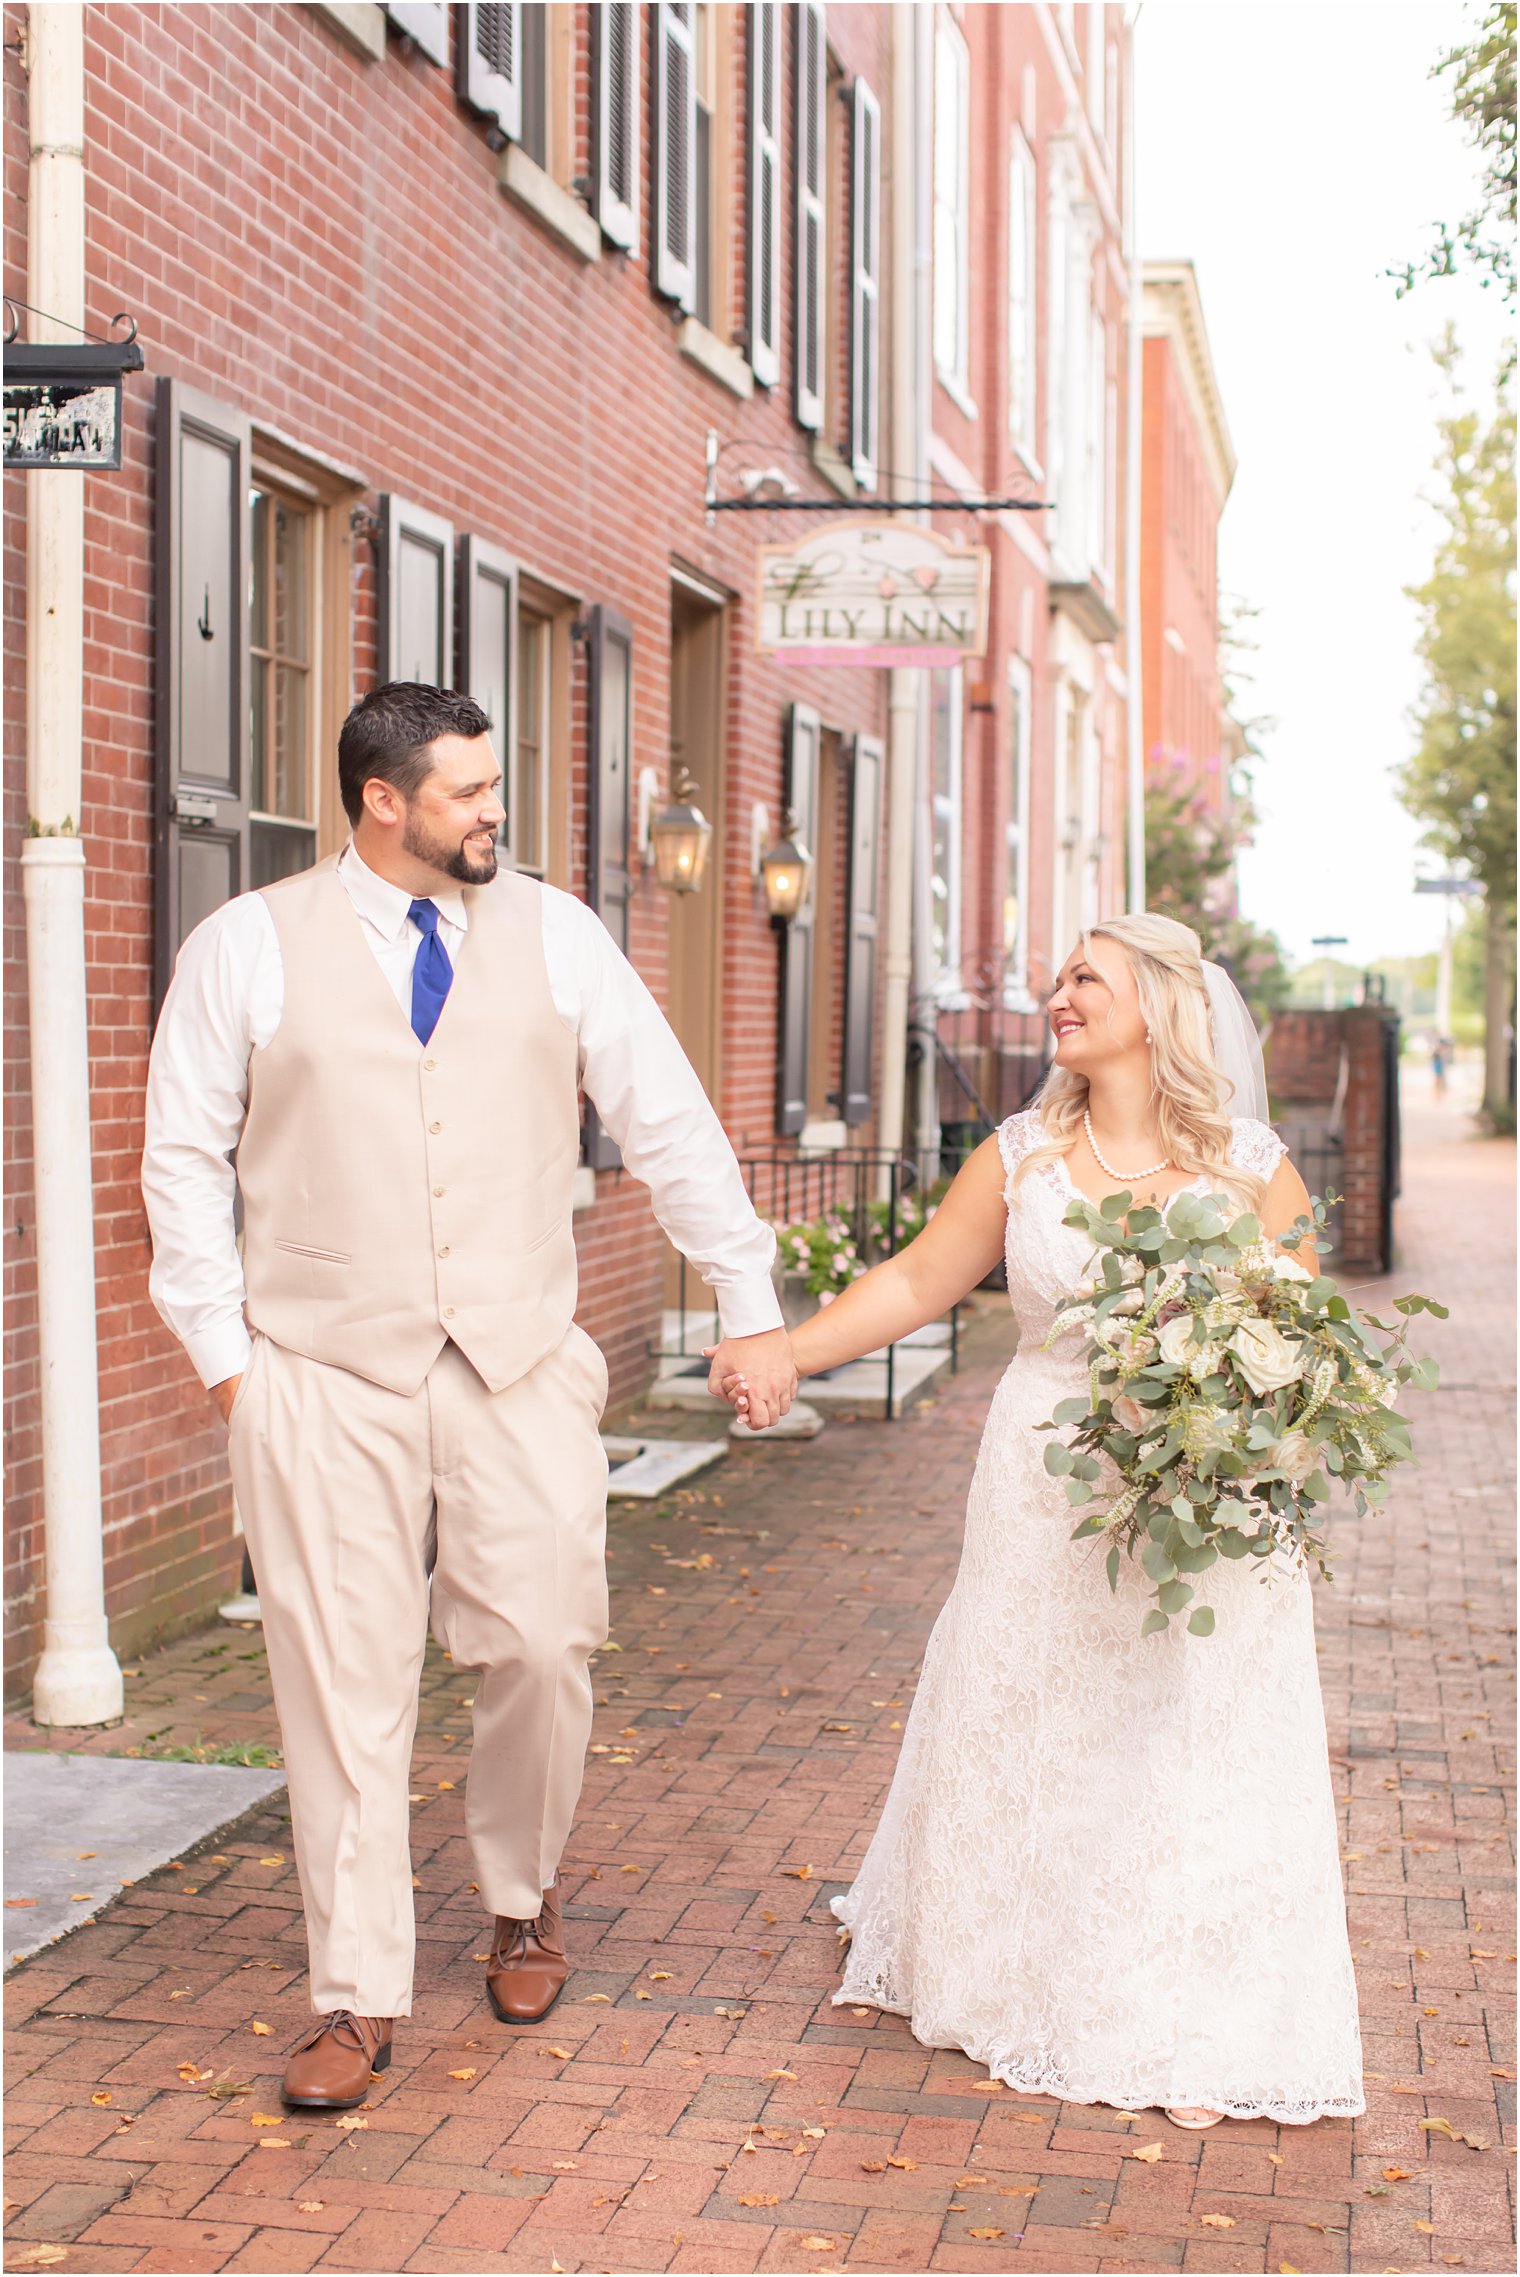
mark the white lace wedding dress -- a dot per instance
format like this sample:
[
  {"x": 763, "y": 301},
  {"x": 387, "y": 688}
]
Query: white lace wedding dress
[{"x": 1108, "y": 1867}]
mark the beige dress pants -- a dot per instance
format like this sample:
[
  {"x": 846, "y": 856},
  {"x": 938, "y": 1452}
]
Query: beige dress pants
[{"x": 360, "y": 1504}]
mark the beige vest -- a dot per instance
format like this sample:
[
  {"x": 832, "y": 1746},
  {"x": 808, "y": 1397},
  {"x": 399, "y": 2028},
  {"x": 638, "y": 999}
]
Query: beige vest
[{"x": 396, "y": 1195}]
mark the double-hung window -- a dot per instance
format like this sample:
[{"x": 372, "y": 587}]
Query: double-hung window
[
  {"x": 1021, "y": 299},
  {"x": 282, "y": 685},
  {"x": 945, "y": 756}
]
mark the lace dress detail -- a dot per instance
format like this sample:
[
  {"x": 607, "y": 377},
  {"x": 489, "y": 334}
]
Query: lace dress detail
[{"x": 1108, "y": 1867}]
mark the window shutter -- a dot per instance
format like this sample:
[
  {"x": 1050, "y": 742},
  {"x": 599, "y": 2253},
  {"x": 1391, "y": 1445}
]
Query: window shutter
[
  {"x": 860, "y": 929},
  {"x": 804, "y": 733},
  {"x": 416, "y": 594},
  {"x": 489, "y": 64},
  {"x": 673, "y": 147},
  {"x": 765, "y": 191},
  {"x": 616, "y": 58},
  {"x": 809, "y": 282},
  {"x": 609, "y": 864},
  {"x": 488, "y": 655},
  {"x": 865, "y": 283},
  {"x": 426, "y": 22},
  {"x": 201, "y": 731}
]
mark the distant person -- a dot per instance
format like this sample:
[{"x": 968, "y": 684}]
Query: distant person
[{"x": 1440, "y": 1061}]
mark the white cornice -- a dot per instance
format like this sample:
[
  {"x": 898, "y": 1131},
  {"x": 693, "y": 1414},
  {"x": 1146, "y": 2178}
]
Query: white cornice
[{"x": 1172, "y": 309}]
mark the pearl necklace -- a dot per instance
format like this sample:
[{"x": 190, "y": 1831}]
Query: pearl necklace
[{"x": 1149, "y": 1172}]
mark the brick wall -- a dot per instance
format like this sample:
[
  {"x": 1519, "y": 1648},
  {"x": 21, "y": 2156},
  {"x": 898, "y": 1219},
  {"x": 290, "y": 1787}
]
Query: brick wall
[
  {"x": 321, "y": 243},
  {"x": 1328, "y": 1072}
]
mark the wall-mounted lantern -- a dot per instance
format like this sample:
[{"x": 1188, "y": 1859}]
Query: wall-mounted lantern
[
  {"x": 787, "y": 868},
  {"x": 680, "y": 835}
]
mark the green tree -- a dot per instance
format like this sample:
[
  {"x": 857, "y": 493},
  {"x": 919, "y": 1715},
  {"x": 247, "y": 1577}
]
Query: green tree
[
  {"x": 1190, "y": 853},
  {"x": 1460, "y": 781},
  {"x": 1482, "y": 73}
]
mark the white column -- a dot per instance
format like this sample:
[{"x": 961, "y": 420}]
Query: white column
[
  {"x": 78, "y": 1679},
  {"x": 1134, "y": 651}
]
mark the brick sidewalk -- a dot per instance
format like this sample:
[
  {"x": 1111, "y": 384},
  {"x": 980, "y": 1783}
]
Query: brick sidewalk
[{"x": 722, "y": 2115}]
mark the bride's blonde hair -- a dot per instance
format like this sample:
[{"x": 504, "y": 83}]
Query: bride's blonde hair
[{"x": 1187, "y": 1090}]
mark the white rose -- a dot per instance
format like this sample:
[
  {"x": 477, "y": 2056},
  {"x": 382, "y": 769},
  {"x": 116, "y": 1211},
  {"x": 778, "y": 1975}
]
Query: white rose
[
  {"x": 1295, "y": 1455},
  {"x": 1268, "y": 1360},
  {"x": 1205, "y": 1361},
  {"x": 1286, "y": 1268},
  {"x": 1177, "y": 1340}
]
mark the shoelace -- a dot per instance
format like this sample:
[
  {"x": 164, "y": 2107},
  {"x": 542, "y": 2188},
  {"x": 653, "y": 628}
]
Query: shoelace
[
  {"x": 335, "y": 2023},
  {"x": 506, "y": 1946}
]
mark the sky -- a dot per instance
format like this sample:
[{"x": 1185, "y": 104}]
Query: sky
[{"x": 1294, "y": 150}]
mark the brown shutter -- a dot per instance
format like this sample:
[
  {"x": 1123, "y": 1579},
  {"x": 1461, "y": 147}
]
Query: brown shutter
[
  {"x": 416, "y": 594},
  {"x": 673, "y": 153},
  {"x": 425, "y": 22},
  {"x": 810, "y": 280},
  {"x": 860, "y": 929},
  {"x": 804, "y": 734},
  {"x": 488, "y": 655},
  {"x": 615, "y": 58},
  {"x": 488, "y": 64},
  {"x": 609, "y": 865},
  {"x": 765, "y": 191},
  {"x": 201, "y": 709},
  {"x": 865, "y": 282}
]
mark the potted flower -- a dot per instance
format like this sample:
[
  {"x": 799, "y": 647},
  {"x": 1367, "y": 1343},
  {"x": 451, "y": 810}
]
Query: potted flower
[{"x": 814, "y": 1261}]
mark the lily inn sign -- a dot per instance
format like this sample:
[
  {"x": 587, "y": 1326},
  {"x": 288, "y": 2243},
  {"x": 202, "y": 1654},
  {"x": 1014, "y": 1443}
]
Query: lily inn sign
[{"x": 873, "y": 593}]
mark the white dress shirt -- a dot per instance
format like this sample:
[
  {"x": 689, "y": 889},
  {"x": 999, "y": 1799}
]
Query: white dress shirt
[{"x": 225, "y": 1002}]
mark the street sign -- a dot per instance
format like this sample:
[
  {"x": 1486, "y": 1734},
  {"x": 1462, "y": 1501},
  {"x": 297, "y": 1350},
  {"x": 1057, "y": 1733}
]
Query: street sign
[
  {"x": 873, "y": 593},
  {"x": 1467, "y": 888},
  {"x": 63, "y": 404}
]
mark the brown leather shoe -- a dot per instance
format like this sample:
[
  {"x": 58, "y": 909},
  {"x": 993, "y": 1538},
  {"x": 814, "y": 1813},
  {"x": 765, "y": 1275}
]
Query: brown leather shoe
[
  {"x": 330, "y": 2071},
  {"x": 528, "y": 1967}
]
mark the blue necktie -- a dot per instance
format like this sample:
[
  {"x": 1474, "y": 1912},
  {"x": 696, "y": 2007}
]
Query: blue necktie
[{"x": 432, "y": 974}]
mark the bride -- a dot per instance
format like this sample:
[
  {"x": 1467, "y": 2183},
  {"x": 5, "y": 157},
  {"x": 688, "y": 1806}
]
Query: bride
[{"x": 1108, "y": 1865}]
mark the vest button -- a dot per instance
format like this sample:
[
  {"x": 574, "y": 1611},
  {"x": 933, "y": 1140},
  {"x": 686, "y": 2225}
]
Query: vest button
[
  {"x": 438, "y": 1190},
  {"x": 448, "y": 1312},
  {"x": 435, "y": 1126},
  {"x": 428, "y": 1066},
  {"x": 443, "y": 1252}
]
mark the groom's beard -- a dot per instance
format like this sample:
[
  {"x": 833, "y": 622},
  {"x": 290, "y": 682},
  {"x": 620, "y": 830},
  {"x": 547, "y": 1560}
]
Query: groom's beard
[{"x": 454, "y": 861}]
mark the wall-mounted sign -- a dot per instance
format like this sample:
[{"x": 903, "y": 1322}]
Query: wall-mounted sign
[
  {"x": 63, "y": 404},
  {"x": 872, "y": 593}
]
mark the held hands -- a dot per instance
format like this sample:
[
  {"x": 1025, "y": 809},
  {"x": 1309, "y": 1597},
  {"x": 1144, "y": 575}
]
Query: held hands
[
  {"x": 757, "y": 1375},
  {"x": 225, "y": 1393}
]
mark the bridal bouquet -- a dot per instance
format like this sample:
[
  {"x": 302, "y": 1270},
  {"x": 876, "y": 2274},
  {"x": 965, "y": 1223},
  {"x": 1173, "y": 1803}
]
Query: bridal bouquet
[{"x": 1229, "y": 1387}]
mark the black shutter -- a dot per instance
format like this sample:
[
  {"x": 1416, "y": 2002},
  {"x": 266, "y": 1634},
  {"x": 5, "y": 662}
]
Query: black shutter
[
  {"x": 810, "y": 279},
  {"x": 488, "y": 66},
  {"x": 615, "y": 110},
  {"x": 804, "y": 734},
  {"x": 488, "y": 655},
  {"x": 416, "y": 599},
  {"x": 609, "y": 863},
  {"x": 765, "y": 191},
  {"x": 424, "y": 21},
  {"x": 860, "y": 929},
  {"x": 673, "y": 153},
  {"x": 865, "y": 283},
  {"x": 201, "y": 708}
]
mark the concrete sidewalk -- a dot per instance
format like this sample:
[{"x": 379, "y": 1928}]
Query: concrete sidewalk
[{"x": 695, "y": 2102}]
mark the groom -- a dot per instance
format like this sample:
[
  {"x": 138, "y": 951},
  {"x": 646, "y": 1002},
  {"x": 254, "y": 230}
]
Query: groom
[{"x": 391, "y": 1046}]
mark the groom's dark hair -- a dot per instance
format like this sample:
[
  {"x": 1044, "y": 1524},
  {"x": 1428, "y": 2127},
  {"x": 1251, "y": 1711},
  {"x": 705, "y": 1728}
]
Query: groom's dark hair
[{"x": 389, "y": 735}]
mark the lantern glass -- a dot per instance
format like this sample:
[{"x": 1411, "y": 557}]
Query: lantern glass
[
  {"x": 680, "y": 837},
  {"x": 787, "y": 868}
]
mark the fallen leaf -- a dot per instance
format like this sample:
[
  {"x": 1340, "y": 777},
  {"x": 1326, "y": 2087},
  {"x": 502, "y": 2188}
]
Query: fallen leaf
[
  {"x": 817, "y": 2244},
  {"x": 984, "y": 2233},
  {"x": 470, "y": 2074},
  {"x": 734, "y": 2015},
  {"x": 908, "y": 2165},
  {"x": 276, "y": 1860},
  {"x": 1286, "y": 2269},
  {"x": 1495, "y": 2073},
  {"x": 1426, "y": 2229},
  {"x": 15, "y": 1904},
  {"x": 973, "y": 2182},
  {"x": 265, "y": 2119},
  {"x": 641, "y": 1994},
  {"x": 263, "y": 2030},
  {"x": 1397, "y": 2174},
  {"x": 591, "y": 1998},
  {"x": 566, "y": 2165},
  {"x": 1217, "y": 2221},
  {"x": 659, "y": 1976},
  {"x": 87, "y": 1897},
  {"x": 781, "y": 2075},
  {"x": 1149, "y": 2154},
  {"x": 274, "y": 2142},
  {"x": 1026, "y": 2190},
  {"x": 446, "y": 1784},
  {"x": 190, "y": 2071},
  {"x": 311, "y": 2205},
  {"x": 876, "y": 2166},
  {"x": 349, "y": 2121},
  {"x": 768, "y": 2199},
  {"x": 1275, "y": 2158},
  {"x": 815, "y": 2134},
  {"x": 43, "y": 2253},
  {"x": 799, "y": 1874},
  {"x": 562, "y": 2053},
  {"x": 556, "y": 2268}
]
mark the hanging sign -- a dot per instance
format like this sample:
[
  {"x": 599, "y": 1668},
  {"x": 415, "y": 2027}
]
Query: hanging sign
[
  {"x": 63, "y": 404},
  {"x": 873, "y": 593}
]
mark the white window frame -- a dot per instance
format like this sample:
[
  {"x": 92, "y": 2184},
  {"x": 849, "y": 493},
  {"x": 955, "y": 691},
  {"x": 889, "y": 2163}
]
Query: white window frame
[
  {"x": 952, "y": 205},
  {"x": 1023, "y": 315},
  {"x": 947, "y": 976},
  {"x": 1095, "y": 442},
  {"x": 1016, "y": 995},
  {"x": 1094, "y": 69}
]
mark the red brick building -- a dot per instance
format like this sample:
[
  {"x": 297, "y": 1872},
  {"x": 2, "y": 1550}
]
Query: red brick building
[
  {"x": 439, "y": 307},
  {"x": 1187, "y": 467},
  {"x": 1031, "y": 751}
]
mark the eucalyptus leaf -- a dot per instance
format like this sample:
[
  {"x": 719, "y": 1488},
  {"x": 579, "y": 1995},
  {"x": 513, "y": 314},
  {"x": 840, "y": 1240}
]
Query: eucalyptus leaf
[
  {"x": 1153, "y": 1622},
  {"x": 1111, "y": 1567},
  {"x": 1201, "y": 1621},
  {"x": 1057, "y": 1459},
  {"x": 1070, "y": 1411},
  {"x": 1173, "y": 1595},
  {"x": 1157, "y": 1561}
]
